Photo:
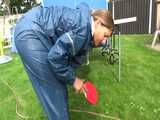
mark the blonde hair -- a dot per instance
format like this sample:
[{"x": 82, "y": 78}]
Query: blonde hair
[{"x": 106, "y": 17}]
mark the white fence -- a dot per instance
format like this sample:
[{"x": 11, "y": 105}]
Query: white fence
[{"x": 7, "y": 24}]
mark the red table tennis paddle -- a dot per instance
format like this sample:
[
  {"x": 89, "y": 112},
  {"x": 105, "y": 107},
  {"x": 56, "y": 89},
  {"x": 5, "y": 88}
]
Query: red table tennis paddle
[{"x": 90, "y": 92}]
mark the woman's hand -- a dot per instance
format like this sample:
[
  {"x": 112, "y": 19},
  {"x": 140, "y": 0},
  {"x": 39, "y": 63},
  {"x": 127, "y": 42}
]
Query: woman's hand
[{"x": 78, "y": 84}]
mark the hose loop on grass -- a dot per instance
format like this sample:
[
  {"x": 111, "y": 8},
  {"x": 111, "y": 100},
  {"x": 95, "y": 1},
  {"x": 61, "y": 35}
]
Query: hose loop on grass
[
  {"x": 95, "y": 114},
  {"x": 17, "y": 102},
  {"x": 72, "y": 110}
]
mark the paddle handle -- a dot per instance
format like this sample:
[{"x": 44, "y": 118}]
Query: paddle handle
[{"x": 84, "y": 91}]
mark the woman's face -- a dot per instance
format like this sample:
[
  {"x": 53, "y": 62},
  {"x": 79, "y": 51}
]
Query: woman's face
[{"x": 101, "y": 33}]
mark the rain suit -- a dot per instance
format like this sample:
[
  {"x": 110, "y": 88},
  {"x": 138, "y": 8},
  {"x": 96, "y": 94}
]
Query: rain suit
[{"x": 52, "y": 42}]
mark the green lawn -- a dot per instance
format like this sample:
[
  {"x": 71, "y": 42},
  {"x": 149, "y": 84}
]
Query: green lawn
[{"x": 136, "y": 97}]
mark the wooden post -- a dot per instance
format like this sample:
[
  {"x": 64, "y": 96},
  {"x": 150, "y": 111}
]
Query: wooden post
[
  {"x": 157, "y": 33},
  {"x": 155, "y": 37},
  {"x": 158, "y": 15}
]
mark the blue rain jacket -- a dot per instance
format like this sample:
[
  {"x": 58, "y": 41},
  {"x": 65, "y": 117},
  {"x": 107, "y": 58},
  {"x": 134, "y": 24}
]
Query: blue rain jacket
[
  {"x": 52, "y": 42},
  {"x": 69, "y": 34}
]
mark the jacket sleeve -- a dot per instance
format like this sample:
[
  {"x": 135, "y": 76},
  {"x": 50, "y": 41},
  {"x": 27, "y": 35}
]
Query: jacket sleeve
[
  {"x": 79, "y": 59},
  {"x": 60, "y": 54}
]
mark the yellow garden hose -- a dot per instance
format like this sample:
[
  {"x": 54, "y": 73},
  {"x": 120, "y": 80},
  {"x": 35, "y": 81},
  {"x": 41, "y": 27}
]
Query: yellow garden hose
[{"x": 72, "y": 110}]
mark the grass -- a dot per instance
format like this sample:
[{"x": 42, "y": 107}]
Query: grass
[{"x": 135, "y": 97}]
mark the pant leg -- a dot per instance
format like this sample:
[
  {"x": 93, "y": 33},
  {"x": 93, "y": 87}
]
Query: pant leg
[{"x": 51, "y": 93}]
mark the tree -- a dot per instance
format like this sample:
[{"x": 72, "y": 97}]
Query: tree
[
  {"x": 7, "y": 3},
  {"x": 21, "y": 6}
]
